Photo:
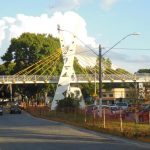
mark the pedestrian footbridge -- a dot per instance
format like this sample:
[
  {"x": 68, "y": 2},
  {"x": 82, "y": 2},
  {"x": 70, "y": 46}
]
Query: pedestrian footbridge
[{"x": 80, "y": 78}]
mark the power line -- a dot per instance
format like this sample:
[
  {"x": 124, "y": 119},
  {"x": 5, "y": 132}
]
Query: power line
[
  {"x": 59, "y": 29},
  {"x": 92, "y": 49},
  {"x": 137, "y": 49}
]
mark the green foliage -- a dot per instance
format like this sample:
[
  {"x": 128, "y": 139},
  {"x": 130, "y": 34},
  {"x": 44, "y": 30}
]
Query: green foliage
[
  {"x": 143, "y": 71},
  {"x": 7, "y": 69},
  {"x": 89, "y": 101},
  {"x": 67, "y": 103},
  {"x": 2, "y": 69},
  {"x": 29, "y": 48},
  {"x": 77, "y": 67},
  {"x": 107, "y": 61},
  {"x": 122, "y": 71},
  {"x": 110, "y": 86},
  {"x": 88, "y": 89},
  {"x": 25, "y": 51}
]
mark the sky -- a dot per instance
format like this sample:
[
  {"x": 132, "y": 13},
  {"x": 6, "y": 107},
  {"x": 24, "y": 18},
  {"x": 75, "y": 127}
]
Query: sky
[{"x": 94, "y": 22}]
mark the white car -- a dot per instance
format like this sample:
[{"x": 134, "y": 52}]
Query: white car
[{"x": 122, "y": 105}]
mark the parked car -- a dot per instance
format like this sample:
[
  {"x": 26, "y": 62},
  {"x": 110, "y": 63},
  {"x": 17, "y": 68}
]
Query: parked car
[
  {"x": 15, "y": 110},
  {"x": 1, "y": 110},
  {"x": 144, "y": 114},
  {"x": 113, "y": 107},
  {"x": 122, "y": 105}
]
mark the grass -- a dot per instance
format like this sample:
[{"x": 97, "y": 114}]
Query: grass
[{"x": 78, "y": 118}]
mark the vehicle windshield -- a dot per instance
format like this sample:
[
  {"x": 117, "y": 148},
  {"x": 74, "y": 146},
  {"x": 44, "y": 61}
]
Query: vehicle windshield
[{"x": 121, "y": 104}]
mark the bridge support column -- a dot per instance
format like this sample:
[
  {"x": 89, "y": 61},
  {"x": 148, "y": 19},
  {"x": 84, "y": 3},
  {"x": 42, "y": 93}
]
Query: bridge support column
[{"x": 63, "y": 88}]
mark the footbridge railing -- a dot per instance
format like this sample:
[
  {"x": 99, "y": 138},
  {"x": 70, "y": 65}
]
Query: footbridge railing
[{"x": 80, "y": 78}]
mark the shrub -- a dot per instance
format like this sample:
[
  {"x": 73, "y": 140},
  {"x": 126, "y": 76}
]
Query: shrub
[{"x": 67, "y": 103}]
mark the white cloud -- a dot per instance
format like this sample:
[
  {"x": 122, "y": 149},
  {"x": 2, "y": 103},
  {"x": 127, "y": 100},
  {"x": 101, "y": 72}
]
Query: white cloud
[
  {"x": 107, "y": 4},
  {"x": 65, "y": 5},
  {"x": 71, "y": 21},
  {"x": 131, "y": 63},
  {"x": 2, "y": 31},
  {"x": 13, "y": 27}
]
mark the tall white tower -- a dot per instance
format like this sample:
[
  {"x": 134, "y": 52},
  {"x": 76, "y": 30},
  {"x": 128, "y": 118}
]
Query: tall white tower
[{"x": 63, "y": 88}]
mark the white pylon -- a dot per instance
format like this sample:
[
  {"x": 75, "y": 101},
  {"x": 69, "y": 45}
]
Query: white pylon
[{"x": 63, "y": 87}]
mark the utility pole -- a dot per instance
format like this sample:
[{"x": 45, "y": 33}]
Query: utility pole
[
  {"x": 100, "y": 80},
  {"x": 11, "y": 92},
  {"x": 95, "y": 83},
  {"x": 100, "y": 68}
]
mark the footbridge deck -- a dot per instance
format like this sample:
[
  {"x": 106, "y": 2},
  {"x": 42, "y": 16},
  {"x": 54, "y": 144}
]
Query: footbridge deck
[{"x": 32, "y": 79}]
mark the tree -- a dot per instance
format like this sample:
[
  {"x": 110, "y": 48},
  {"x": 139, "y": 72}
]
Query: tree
[
  {"x": 143, "y": 71},
  {"x": 7, "y": 69},
  {"x": 122, "y": 71},
  {"x": 28, "y": 49},
  {"x": 25, "y": 51}
]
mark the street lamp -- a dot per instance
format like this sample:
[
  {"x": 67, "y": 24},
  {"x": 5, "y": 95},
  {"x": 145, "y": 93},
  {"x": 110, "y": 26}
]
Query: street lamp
[
  {"x": 134, "y": 34},
  {"x": 100, "y": 67}
]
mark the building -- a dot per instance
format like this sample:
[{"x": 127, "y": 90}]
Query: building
[{"x": 118, "y": 94}]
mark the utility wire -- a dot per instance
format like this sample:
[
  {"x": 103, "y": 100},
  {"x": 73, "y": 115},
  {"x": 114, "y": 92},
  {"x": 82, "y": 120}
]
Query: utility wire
[
  {"x": 137, "y": 49},
  {"x": 59, "y": 29}
]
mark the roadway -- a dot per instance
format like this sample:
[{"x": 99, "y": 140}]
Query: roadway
[{"x": 25, "y": 132}]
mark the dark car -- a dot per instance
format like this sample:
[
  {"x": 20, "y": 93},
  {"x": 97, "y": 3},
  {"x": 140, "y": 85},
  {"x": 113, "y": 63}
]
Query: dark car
[
  {"x": 1, "y": 110},
  {"x": 144, "y": 114},
  {"x": 15, "y": 110}
]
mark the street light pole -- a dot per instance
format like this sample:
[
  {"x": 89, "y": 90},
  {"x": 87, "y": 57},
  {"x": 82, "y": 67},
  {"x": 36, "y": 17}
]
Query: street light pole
[
  {"x": 100, "y": 68},
  {"x": 100, "y": 80},
  {"x": 134, "y": 33}
]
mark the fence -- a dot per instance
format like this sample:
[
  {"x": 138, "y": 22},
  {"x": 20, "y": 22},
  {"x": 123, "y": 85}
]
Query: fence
[{"x": 116, "y": 124}]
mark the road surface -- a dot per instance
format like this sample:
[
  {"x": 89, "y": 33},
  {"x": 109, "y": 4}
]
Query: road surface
[{"x": 25, "y": 132}]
